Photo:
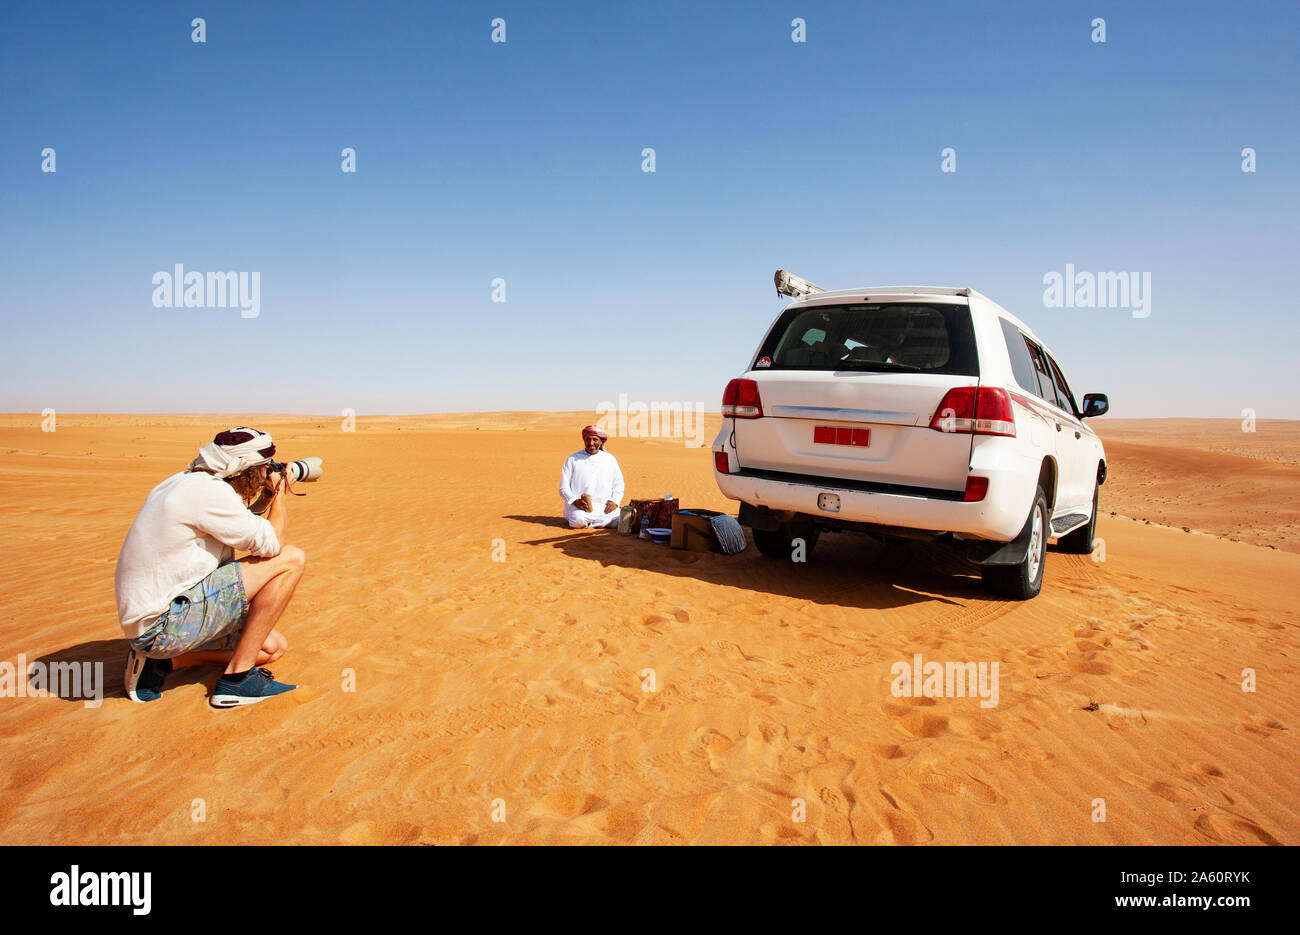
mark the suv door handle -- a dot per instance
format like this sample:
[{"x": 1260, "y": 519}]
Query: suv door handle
[
  {"x": 1078, "y": 434},
  {"x": 1058, "y": 426}
]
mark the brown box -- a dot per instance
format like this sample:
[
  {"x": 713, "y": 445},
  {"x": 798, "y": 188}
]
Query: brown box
[{"x": 693, "y": 531}]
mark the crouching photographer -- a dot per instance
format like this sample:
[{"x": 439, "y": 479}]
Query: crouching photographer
[{"x": 183, "y": 601}]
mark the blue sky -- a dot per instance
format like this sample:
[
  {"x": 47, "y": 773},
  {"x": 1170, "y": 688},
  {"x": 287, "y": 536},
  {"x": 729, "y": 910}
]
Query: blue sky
[{"x": 522, "y": 160}]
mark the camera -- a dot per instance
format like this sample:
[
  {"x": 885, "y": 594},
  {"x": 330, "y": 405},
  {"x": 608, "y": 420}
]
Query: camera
[
  {"x": 307, "y": 469},
  {"x": 304, "y": 469}
]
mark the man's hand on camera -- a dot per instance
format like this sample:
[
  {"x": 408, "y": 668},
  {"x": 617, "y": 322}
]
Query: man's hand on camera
[
  {"x": 583, "y": 503},
  {"x": 273, "y": 482}
]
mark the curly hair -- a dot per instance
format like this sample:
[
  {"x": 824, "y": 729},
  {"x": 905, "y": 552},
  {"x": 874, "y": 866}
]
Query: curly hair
[{"x": 248, "y": 483}]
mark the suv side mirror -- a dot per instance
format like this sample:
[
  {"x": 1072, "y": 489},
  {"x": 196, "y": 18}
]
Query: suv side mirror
[{"x": 1095, "y": 404}]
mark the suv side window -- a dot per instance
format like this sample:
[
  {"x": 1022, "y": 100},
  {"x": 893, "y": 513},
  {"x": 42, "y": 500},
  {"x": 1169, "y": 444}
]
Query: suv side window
[
  {"x": 1051, "y": 393},
  {"x": 1021, "y": 365},
  {"x": 1064, "y": 396},
  {"x": 1045, "y": 389}
]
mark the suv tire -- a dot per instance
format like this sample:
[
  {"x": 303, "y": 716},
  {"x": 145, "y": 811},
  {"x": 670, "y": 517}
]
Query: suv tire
[
  {"x": 779, "y": 543},
  {"x": 1022, "y": 581}
]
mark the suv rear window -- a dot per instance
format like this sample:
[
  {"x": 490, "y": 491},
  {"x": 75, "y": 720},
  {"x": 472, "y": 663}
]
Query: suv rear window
[{"x": 889, "y": 336}]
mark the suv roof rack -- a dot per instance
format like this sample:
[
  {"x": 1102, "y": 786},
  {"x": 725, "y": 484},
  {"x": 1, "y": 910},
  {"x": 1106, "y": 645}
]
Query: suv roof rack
[
  {"x": 787, "y": 283},
  {"x": 964, "y": 291}
]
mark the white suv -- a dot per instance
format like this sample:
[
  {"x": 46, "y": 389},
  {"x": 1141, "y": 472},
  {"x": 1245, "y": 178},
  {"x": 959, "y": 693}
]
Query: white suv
[{"x": 911, "y": 412}]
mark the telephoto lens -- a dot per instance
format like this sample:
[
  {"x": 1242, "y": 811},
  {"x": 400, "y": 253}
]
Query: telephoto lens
[{"x": 307, "y": 469}]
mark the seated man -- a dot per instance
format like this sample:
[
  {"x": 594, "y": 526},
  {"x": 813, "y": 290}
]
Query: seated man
[
  {"x": 591, "y": 483},
  {"x": 181, "y": 599}
]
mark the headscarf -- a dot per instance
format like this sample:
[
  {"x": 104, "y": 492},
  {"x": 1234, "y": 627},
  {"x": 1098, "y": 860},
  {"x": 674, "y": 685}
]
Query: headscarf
[
  {"x": 592, "y": 430},
  {"x": 234, "y": 451}
]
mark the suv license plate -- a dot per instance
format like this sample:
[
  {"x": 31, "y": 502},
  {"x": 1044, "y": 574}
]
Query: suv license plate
[
  {"x": 840, "y": 435},
  {"x": 829, "y": 502}
]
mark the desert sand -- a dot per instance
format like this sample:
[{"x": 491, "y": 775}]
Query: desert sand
[{"x": 513, "y": 689}]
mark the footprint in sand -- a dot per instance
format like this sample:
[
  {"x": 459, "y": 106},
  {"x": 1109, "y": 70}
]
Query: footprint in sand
[
  {"x": 981, "y": 728},
  {"x": 1261, "y": 726},
  {"x": 379, "y": 832},
  {"x": 836, "y": 800},
  {"x": 1208, "y": 769},
  {"x": 904, "y": 829},
  {"x": 1087, "y": 666},
  {"x": 650, "y": 703},
  {"x": 729, "y": 647},
  {"x": 1232, "y": 830},
  {"x": 964, "y": 786},
  {"x": 1082, "y": 654},
  {"x": 901, "y": 707},
  {"x": 924, "y": 725},
  {"x": 777, "y": 832},
  {"x": 591, "y": 743},
  {"x": 1168, "y": 792},
  {"x": 709, "y": 741}
]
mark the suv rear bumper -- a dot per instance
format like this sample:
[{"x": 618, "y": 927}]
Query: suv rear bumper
[{"x": 998, "y": 517}]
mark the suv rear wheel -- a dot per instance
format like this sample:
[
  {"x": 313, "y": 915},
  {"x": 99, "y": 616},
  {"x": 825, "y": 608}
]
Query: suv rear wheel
[
  {"x": 1022, "y": 581},
  {"x": 779, "y": 543}
]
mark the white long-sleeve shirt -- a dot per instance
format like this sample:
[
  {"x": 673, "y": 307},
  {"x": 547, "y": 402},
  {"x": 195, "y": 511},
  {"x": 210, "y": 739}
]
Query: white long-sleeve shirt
[
  {"x": 189, "y": 524},
  {"x": 596, "y": 475}
]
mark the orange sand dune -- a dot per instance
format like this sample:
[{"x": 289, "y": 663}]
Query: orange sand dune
[
  {"x": 1207, "y": 475},
  {"x": 514, "y": 689}
]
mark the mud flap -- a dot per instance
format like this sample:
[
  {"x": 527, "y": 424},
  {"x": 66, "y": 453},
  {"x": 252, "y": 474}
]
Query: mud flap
[
  {"x": 759, "y": 517},
  {"x": 983, "y": 552}
]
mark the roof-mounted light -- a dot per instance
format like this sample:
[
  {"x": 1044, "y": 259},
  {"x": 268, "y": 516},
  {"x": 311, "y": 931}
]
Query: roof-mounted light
[{"x": 788, "y": 283}]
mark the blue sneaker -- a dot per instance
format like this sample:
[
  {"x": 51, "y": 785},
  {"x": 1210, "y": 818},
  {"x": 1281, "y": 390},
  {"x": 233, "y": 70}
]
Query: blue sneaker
[
  {"x": 257, "y": 685},
  {"x": 143, "y": 679}
]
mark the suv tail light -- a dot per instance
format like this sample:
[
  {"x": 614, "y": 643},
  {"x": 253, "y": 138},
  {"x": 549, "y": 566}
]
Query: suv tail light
[
  {"x": 721, "y": 463},
  {"x": 740, "y": 400},
  {"x": 976, "y": 488},
  {"x": 975, "y": 410}
]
